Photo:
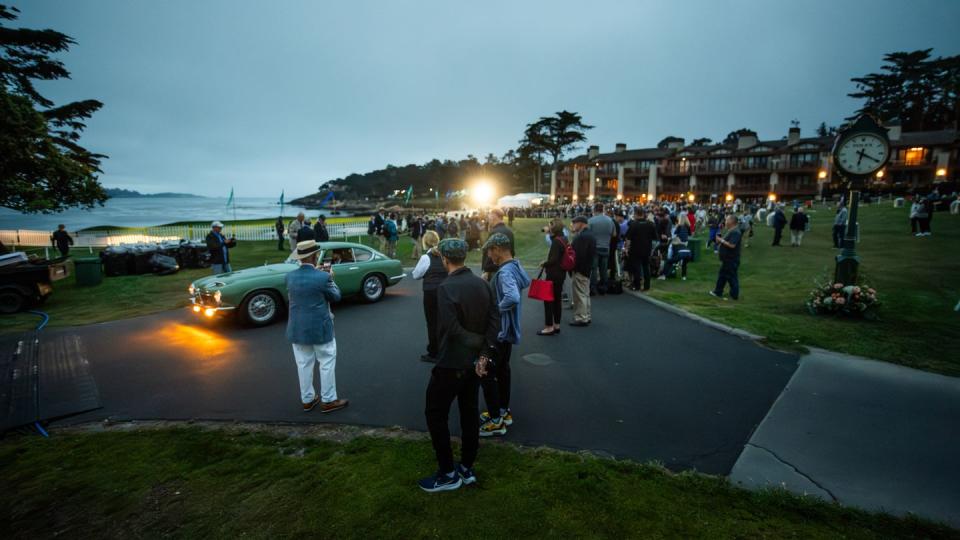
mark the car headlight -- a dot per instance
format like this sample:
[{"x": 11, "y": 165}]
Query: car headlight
[
  {"x": 191, "y": 290},
  {"x": 216, "y": 297}
]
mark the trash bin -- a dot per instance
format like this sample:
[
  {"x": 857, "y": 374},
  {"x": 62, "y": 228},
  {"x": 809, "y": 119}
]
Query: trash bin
[
  {"x": 695, "y": 245},
  {"x": 89, "y": 271}
]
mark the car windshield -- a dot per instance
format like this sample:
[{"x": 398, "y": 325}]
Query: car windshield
[{"x": 337, "y": 256}]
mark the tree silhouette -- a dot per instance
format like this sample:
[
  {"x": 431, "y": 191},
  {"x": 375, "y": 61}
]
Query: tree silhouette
[{"x": 42, "y": 167}]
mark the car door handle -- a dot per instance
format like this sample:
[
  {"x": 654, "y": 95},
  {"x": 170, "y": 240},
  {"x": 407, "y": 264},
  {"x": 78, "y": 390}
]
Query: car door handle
[{"x": 354, "y": 268}]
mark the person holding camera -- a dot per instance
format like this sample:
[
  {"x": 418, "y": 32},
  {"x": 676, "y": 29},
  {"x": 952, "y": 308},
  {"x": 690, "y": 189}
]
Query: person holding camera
[
  {"x": 219, "y": 245},
  {"x": 310, "y": 327},
  {"x": 729, "y": 244}
]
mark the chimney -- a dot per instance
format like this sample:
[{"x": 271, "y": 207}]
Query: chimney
[
  {"x": 893, "y": 130},
  {"x": 593, "y": 151},
  {"x": 746, "y": 141},
  {"x": 621, "y": 147},
  {"x": 793, "y": 136},
  {"x": 678, "y": 144}
]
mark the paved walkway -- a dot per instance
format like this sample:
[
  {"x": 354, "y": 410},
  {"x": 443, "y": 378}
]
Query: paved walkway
[
  {"x": 864, "y": 433},
  {"x": 639, "y": 383}
]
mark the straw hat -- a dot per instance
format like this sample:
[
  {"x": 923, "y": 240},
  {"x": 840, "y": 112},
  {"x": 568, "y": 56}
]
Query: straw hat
[{"x": 306, "y": 249}]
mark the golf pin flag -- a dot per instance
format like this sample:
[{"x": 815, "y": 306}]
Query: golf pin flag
[
  {"x": 230, "y": 199},
  {"x": 327, "y": 198},
  {"x": 406, "y": 199},
  {"x": 281, "y": 197}
]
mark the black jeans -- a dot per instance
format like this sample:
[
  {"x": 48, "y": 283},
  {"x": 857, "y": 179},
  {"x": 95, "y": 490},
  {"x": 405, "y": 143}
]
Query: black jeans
[
  {"x": 777, "y": 235},
  {"x": 728, "y": 274},
  {"x": 496, "y": 384},
  {"x": 640, "y": 268},
  {"x": 838, "y": 231},
  {"x": 430, "y": 311},
  {"x": 280, "y": 242},
  {"x": 445, "y": 386},
  {"x": 553, "y": 310}
]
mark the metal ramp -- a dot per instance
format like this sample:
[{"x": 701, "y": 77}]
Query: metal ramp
[{"x": 44, "y": 379}]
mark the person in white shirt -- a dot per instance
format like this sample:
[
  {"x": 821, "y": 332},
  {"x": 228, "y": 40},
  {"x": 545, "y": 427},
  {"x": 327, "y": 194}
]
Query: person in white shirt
[{"x": 431, "y": 270}]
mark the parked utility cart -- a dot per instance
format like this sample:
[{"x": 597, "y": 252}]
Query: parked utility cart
[{"x": 26, "y": 281}]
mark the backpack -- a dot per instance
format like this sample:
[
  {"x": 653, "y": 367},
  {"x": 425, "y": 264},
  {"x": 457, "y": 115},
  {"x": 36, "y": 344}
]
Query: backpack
[{"x": 569, "y": 259}]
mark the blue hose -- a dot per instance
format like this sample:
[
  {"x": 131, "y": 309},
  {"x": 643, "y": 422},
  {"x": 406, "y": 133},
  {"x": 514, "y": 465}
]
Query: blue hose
[{"x": 46, "y": 319}]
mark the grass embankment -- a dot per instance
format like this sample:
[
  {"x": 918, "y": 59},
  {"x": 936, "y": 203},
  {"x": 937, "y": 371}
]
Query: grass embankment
[
  {"x": 196, "y": 483},
  {"x": 914, "y": 276}
]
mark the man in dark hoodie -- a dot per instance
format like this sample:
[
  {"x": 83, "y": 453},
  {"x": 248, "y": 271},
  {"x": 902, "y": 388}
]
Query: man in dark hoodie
[
  {"x": 508, "y": 282},
  {"x": 468, "y": 328}
]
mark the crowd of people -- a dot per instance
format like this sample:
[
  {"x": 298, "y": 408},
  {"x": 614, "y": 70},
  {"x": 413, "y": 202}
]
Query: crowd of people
[{"x": 473, "y": 321}]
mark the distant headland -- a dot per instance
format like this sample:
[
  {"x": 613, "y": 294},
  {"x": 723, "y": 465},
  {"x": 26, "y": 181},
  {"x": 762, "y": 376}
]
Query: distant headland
[{"x": 118, "y": 193}]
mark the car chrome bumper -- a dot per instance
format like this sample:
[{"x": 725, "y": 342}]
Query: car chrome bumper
[
  {"x": 198, "y": 306},
  {"x": 396, "y": 279}
]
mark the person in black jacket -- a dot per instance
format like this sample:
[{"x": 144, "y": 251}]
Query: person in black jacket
[
  {"x": 553, "y": 310},
  {"x": 585, "y": 246},
  {"x": 798, "y": 224},
  {"x": 320, "y": 229},
  {"x": 306, "y": 232},
  {"x": 496, "y": 225},
  {"x": 779, "y": 222},
  {"x": 639, "y": 245},
  {"x": 219, "y": 246},
  {"x": 469, "y": 324},
  {"x": 62, "y": 239},
  {"x": 279, "y": 228}
]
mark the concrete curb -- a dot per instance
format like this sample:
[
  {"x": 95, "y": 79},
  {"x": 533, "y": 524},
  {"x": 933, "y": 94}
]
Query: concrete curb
[{"x": 702, "y": 320}]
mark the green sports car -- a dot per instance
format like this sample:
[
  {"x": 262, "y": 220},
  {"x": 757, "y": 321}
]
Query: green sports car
[{"x": 259, "y": 295}]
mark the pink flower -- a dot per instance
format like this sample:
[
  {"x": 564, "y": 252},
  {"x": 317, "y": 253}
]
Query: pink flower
[
  {"x": 841, "y": 301},
  {"x": 838, "y": 285},
  {"x": 871, "y": 291},
  {"x": 856, "y": 290}
]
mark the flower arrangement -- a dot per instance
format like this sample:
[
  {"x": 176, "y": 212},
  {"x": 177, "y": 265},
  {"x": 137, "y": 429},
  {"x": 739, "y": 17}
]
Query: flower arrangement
[{"x": 839, "y": 299}]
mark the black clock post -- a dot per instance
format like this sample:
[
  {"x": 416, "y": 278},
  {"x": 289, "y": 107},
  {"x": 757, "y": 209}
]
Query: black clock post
[{"x": 858, "y": 152}]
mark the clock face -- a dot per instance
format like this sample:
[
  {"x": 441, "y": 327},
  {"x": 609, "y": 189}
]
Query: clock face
[{"x": 862, "y": 154}]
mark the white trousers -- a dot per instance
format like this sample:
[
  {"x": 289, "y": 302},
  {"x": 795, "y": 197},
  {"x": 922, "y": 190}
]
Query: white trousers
[{"x": 307, "y": 356}]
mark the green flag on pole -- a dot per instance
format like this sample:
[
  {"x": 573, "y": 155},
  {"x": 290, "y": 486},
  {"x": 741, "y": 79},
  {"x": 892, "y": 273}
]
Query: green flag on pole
[
  {"x": 281, "y": 203},
  {"x": 230, "y": 199},
  {"x": 409, "y": 194}
]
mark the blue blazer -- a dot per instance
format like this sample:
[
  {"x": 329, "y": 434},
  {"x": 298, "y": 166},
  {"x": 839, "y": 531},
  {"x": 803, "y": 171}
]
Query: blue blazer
[{"x": 310, "y": 292}]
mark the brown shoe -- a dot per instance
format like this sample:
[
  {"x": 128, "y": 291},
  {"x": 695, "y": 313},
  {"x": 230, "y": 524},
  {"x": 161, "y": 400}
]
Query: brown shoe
[
  {"x": 335, "y": 405},
  {"x": 307, "y": 407}
]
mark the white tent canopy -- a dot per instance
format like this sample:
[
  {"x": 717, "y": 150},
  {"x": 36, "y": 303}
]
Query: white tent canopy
[{"x": 522, "y": 200}]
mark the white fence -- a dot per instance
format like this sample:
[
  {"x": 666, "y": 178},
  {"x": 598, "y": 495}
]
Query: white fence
[{"x": 173, "y": 232}]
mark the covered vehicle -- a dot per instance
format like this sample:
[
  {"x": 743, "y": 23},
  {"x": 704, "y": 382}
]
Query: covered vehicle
[
  {"x": 25, "y": 281},
  {"x": 259, "y": 295}
]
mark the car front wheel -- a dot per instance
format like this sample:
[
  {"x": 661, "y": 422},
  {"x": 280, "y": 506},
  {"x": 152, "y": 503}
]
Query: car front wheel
[
  {"x": 373, "y": 288},
  {"x": 261, "y": 308},
  {"x": 11, "y": 301}
]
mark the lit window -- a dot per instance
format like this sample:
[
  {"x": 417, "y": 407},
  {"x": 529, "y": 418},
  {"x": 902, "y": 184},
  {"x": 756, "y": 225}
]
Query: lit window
[{"x": 914, "y": 156}]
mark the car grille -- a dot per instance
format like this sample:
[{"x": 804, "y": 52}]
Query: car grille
[{"x": 205, "y": 299}]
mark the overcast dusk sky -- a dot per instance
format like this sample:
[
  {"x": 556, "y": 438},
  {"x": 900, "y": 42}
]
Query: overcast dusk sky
[{"x": 203, "y": 95}]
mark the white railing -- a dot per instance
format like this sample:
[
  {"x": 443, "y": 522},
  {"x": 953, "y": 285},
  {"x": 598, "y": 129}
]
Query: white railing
[{"x": 169, "y": 232}]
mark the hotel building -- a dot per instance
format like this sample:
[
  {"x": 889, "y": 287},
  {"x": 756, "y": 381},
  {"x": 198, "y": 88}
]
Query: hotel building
[{"x": 792, "y": 167}]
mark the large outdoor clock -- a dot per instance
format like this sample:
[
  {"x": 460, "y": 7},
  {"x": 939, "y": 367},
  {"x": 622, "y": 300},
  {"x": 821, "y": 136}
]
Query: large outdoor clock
[{"x": 862, "y": 149}]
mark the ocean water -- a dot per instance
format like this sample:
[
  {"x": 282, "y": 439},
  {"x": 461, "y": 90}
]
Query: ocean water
[{"x": 148, "y": 211}]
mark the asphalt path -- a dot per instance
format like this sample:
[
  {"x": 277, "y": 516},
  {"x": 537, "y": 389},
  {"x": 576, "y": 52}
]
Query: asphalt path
[{"x": 639, "y": 383}]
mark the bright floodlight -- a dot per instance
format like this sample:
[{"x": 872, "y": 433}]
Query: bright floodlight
[{"x": 482, "y": 192}]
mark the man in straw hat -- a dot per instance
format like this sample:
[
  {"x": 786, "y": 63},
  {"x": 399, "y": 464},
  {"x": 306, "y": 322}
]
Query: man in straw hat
[
  {"x": 469, "y": 323},
  {"x": 310, "y": 328}
]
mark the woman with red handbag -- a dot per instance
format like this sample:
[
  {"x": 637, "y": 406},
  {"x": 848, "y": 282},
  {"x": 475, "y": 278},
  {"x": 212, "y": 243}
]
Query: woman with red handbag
[{"x": 555, "y": 274}]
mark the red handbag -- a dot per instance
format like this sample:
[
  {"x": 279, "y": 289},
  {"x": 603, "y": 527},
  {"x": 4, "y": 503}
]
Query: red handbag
[{"x": 541, "y": 289}]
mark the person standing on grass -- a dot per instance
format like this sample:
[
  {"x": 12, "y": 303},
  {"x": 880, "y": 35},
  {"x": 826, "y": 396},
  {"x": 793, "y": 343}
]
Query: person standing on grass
[
  {"x": 798, "y": 224},
  {"x": 310, "y": 328},
  {"x": 62, "y": 240},
  {"x": 555, "y": 273},
  {"x": 729, "y": 259},
  {"x": 293, "y": 229},
  {"x": 391, "y": 235},
  {"x": 779, "y": 222},
  {"x": 416, "y": 232},
  {"x": 639, "y": 245},
  {"x": 279, "y": 228},
  {"x": 585, "y": 246},
  {"x": 219, "y": 248},
  {"x": 320, "y": 232},
  {"x": 839, "y": 223},
  {"x": 469, "y": 324},
  {"x": 431, "y": 270},
  {"x": 508, "y": 283},
  {"x": 496, "y": 225}
]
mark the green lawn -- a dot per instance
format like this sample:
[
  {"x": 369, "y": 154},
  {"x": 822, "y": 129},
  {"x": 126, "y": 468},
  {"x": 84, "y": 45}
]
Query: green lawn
[
  {"x": 231, "y": 482},
  {"x": 916, "y": 279}
]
